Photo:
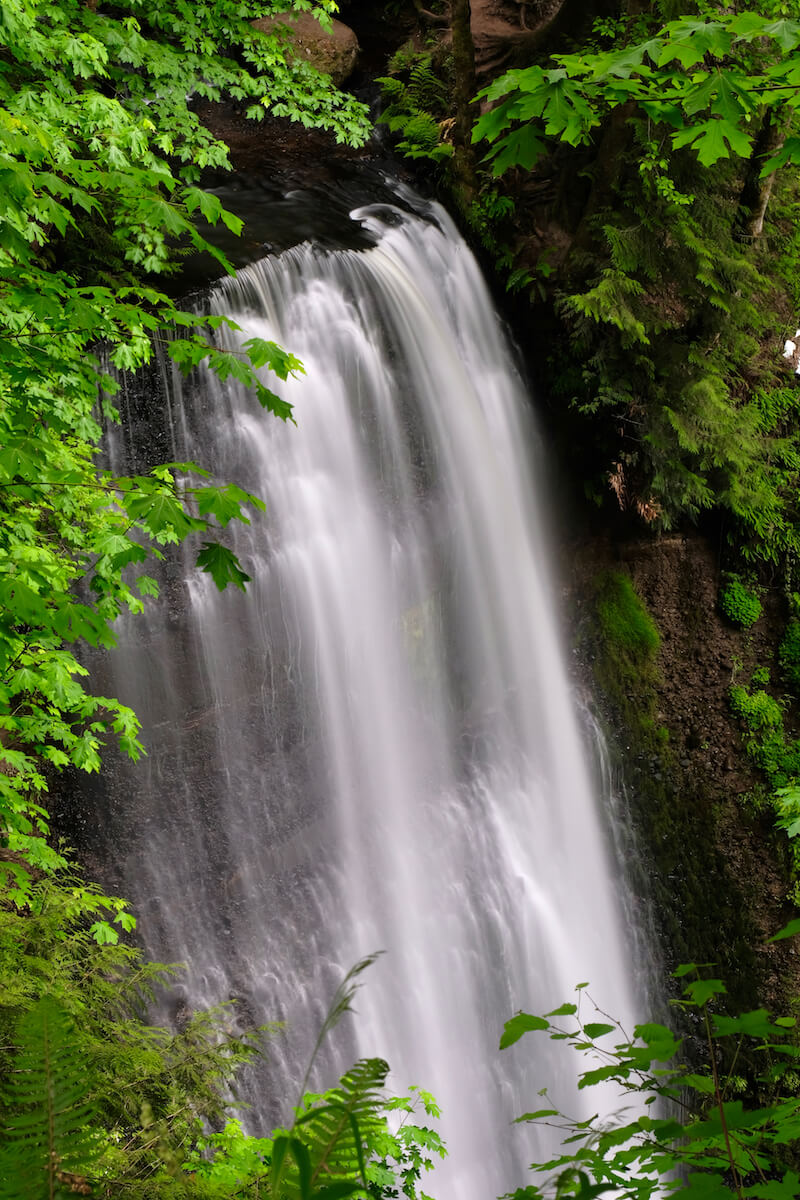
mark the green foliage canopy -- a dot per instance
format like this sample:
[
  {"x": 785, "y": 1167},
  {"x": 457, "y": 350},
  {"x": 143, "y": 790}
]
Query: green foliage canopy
[
  {"x": 101, "y": 155},
  {"x": 668, "y": 298},
  {"x": 699, "y": 76}
]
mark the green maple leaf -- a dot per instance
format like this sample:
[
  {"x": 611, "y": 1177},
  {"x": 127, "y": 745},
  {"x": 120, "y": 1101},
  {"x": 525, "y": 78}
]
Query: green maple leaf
[
  {"x": 188, "y": 352},
  {"x": 162, "y": 516},
  {"x": 689, "y": 41},
  {"x": 269, "y": 354},
  {"x": 713, "y": 140},
  {"x": 785, "y": 33},
  {"x": 522, "y": 1023},
  {"x": 491, "y": 124},
  {"x": 520, "y": 148},
  {"x": 274, "y": 404},
  {"x": 566, "y": 113},
  {"x": 222, "y": 565},
  {"x": 225, "y": 503}
]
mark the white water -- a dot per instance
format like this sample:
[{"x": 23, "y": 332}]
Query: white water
[{"x": 376, "y": 748}]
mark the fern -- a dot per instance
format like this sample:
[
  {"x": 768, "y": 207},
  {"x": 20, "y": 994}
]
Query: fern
[
  {"x": 47, "y": 1139},
  {"x": 328, "y": 1141},
  {"x": 425, "y": 90},
  {"x": 422, "y": 138},
  {"x": 609, "y": 301},
  {"x": 415, "y": 104},
  {"x": 329, "y": 1138}
]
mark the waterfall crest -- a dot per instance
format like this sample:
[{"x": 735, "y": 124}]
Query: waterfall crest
[{"x": 376, "y": 748}]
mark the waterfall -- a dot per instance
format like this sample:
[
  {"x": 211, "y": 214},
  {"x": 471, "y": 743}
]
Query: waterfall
[{"x": 376, "y": 747}]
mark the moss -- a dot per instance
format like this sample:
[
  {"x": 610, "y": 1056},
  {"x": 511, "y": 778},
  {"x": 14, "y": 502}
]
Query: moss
[
  {"x": 625, "y": 642},
  {"x": 626, "y": 624}
]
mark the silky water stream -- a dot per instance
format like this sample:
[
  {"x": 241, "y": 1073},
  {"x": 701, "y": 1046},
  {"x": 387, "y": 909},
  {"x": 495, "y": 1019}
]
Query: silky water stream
[{"x": 375, "y": 748}]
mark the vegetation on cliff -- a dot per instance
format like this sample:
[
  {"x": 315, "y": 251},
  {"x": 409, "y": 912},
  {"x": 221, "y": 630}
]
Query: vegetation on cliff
[{"x": 635, "y": 184}]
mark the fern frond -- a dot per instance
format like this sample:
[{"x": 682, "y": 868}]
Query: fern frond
[
  {"x": 353, "y": 1113},
  {"x": 425, "y": 89},
  {"x": 609, "y": 301},
  {"x": 48, "y": 1130},
  {"x": 324, "y": 1154}
]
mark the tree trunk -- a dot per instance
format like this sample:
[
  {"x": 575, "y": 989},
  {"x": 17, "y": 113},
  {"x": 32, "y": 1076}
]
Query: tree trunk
[
  {"x": 756, "y": 191},
  {"x": 465, "y": 88}
]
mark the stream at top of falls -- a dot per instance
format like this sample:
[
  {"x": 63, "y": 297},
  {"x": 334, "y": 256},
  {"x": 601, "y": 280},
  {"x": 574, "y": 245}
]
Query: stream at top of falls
[{"x": 376, "y": 748}]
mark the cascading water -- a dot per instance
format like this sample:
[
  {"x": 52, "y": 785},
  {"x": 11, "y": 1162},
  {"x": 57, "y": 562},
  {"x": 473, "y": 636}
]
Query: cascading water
[{"x": 375, "y": 749}]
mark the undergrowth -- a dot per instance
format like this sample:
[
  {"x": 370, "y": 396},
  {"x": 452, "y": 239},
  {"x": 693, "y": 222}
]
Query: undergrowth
[{"x": 416, "y": 101}]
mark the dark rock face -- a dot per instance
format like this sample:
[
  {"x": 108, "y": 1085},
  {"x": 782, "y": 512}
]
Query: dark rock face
[
  {"x": 717, "y": 866},
  {"x": 333, "y": 52}
]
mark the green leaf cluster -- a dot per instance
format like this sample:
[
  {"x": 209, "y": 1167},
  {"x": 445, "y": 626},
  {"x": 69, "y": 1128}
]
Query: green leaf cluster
[
  {"x": 682, "y": 1128},
  {"x": 91, "y": 1089},
  {"x": 415, "y": 102},
  {"x": 343, "y": 1142},
  {"x": 778, "y": 755},
  {"x": 667, "y": 317},
  {"x": 697, "y": 76},
  {"x": 739, "y": 603}
]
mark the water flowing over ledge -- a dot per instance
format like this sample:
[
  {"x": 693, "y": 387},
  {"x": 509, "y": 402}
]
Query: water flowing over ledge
[{"x": 376, "y": 748}]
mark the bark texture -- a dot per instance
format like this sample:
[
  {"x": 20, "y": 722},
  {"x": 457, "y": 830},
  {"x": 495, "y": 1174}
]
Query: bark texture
[{"x": 465, "y": 88}]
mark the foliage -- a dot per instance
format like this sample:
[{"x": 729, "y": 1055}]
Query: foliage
[
  {"x": 47, "y": 1139},
  {"x": 760, "y": 676},
  {"x": 149, "y": 1092},
  {"x": 723, "y": 1126},
  {"x": 766, "y": 740},
  {"x": 789, "y": 655},
  {"x": 95, "y": 1096},
  {"x": 739, "y": 603},
  {"x": 697, "y": 76},
  {"x": 778, "y": 756},
  {"x": 415, "y": 102},
  {"x": 341, "y": 1144},
  {"x": 99, "y": 186},
  {"x": 663, "y": 351}
]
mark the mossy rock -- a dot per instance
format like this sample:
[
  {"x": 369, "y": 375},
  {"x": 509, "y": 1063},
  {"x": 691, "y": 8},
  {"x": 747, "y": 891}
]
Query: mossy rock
[
  {"x": 334, "y": 53},
  {"x": 625, "y": 622}
]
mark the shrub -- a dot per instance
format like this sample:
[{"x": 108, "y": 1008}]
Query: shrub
[
  {"x": 696, "y": 1129},
  {"x": 739, "y": 604}
]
